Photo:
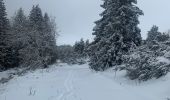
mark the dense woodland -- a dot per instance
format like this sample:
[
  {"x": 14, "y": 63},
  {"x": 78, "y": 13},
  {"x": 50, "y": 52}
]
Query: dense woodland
[
  {"x": 30, "y": 41},
  {"x": 27, "y": 41}
]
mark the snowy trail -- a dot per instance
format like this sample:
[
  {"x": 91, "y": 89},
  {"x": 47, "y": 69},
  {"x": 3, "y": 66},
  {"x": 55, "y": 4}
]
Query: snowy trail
[
  {"x": 79, "y": 83},
  {"x": 69, "y": 88}
]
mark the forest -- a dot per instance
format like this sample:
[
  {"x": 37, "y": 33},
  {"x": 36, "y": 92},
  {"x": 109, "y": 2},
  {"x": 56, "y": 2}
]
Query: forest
[{"x": 29, "y": 42}]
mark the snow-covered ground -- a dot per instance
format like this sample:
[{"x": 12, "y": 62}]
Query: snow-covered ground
[{"x": 78, "y": 82}]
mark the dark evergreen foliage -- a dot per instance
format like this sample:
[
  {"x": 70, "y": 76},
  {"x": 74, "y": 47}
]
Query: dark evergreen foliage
[
  {"x": 42, "y": 36},
  {"x": 163, "y": 37},
  {"x": 153, "y": 34},
  {"x": 73, "y": 54},
  {"x": 79, "y": 47},
  {"x": 115, "y": 33},
  {"x": 27, "y": 41},
  {"x": 148, "y": 61},
  {"x": 7, "y": 53},
  {"x": 19, "y": 31},
  {"x": 66, "y": 54}
]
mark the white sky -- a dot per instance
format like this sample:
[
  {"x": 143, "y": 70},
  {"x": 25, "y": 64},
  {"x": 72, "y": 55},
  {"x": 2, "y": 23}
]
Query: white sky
[{"x": 75, "y": 18}]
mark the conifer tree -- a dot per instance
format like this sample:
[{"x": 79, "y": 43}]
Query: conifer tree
[
  {"x": 3, "y": 35},
  {"x": 87, "y": 43},
  {"x": 34, "y": 48},
  {"x": 115, "y": 33},
  {"x": 79, "y": 47},
  {"x": 36, "y": 18},
  {"x": 42, "y": 36},
  {"x": 19, "y": 32},
  {"x": 7, "y": 58},
  {"x": 19, "y": 28},
  {"x": 153, "y": 34},
  {"x": 49, "y": 41}
]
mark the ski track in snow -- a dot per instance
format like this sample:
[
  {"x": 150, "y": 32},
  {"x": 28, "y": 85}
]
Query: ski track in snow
[
  {"x": 69, "y": 88},
  {"x": 77, "y": 82}
]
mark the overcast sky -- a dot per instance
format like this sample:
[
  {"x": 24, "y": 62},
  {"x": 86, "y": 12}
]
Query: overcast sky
[{"x": 75, "y": 18}]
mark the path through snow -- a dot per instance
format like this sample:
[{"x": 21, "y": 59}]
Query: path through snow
[{"x": 79, "y": 83}]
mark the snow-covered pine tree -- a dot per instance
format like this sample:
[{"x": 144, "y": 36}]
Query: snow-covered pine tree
[
  {"x": 36, "y": 18},
  {"x": 35, "y": 35},
  {"x": 163, "y": 37},
  {"x": 153, "y": 34},
  {"x": 87, "y": 43},
  {"x": 19, "y": 25},
  {"x": 115, "y": 33},
  {"x": 7, "y": 58},
  {"x": 36, "y": 26},
  {"x": 148, "y": 61},
  {"x": 43, "y": 36},
  {"x": 79, "y": 47},
  {"x": 66, "y": 54},
  {"x": 49, "y": 40},
  {"x": 19, "y": 30},
  {"x": 3, "y": 31}
]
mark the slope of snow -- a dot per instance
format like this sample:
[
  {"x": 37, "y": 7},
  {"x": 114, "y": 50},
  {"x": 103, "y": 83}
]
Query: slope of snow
[{"x": 78, "y": 82}]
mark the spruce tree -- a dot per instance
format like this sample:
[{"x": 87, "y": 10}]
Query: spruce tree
[
  {"x": 153, "y": 34},
  {"x": 87, "y": 43},
  {"x": 34, "y": 48},
  {"x": 115, "y": 33},
  {"x": 19, "y": 21},
  {"x": 36, "y": 18},
  {"x": 19, "y": 30},
  {"x": 49, "y": 41},
  {"x": 7, "y": 53},
  {"x": 86, "y": 48},
  {"x": 42, "y": 35},
  {"x": 3, "y": 35},
  {"x": 3, "y": 24},
  {"x": 163, "y": 37},
  {"x": 79, "y": 47},
  {"x": 49, "y": 30}
]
